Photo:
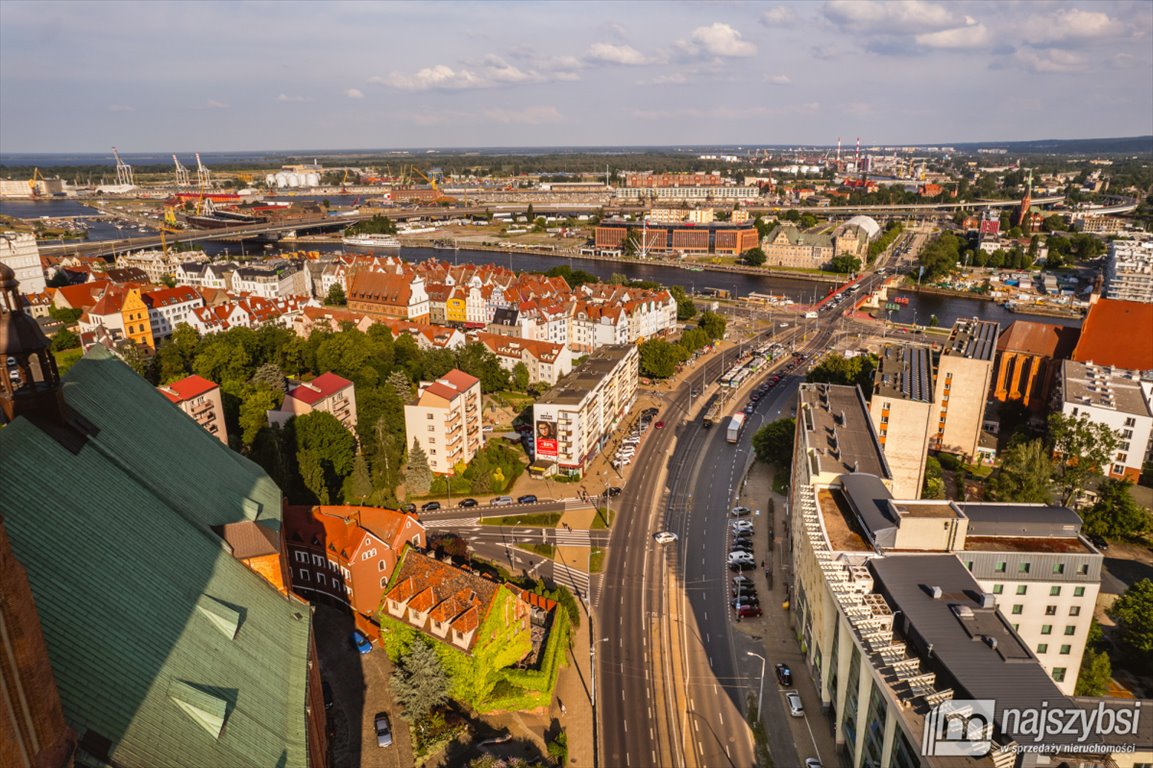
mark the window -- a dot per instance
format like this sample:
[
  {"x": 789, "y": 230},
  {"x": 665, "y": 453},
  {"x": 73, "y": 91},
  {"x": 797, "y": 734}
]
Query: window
[
  {"x": 1075, "y": 610},
  {"x": 322, "y": 579},
  {"x": 1059, "y": 674},
  {"x": 1065, "y": 649},
  {"x": 1016, "y": 627},
  {"x": 432, "y": 452},
  {"x": 1059, "y": 568},
  {"x": 1001, "y": 566},
  {"x": 431, "y": 427},
  {"x": 1023, "y": 568},
  {"x": 428, "y": 416},
  {"x": 304, "y": 575},
  {"x": 1050, "y": 610},
  {"x": 1082, "y": 570},
  {"x": 380, "y": 566},
  {"x": 1118, "y": 469},
  {"x": 1022, "y": 589},
  {"x": 1131, "y": 421},
  {"x": 1054, "y": 591},
  {"x": 1070, "y": 630},
  {"x": 1043, "y": 648},
  {"x": 1017, "y": 609},
  {"x": 1046, "y": 629},
  {"x": 998, "y": 589},
  {"x": 432, "y": 441},
  {"x": 383, "y": 582},
  {"x": 301, "y": 556}
]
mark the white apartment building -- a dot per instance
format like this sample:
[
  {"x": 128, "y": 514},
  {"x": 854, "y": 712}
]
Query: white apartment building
[
  {"x": 19, "y": 251},
  {"x": 169, "y": 307},
  {"x": 328, "y": 393},
  {"x": 446, "y": 421},
  {"x": 573, "y": 420},
  {"x": 1129, "y": 271},
  {"x": 272, "y": 281},
  {"x": 901, "y": 408},
  {"x": 546, "y": 362},
  {"x": 1119, "y": 399},
  {"x": 964, "y": 372}
]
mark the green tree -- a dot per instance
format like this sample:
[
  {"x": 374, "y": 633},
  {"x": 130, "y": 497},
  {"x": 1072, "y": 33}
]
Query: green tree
[
  {"x": 1133, "y": 612},
  {"x": 712, "y": 324},
  {"x": 1096, "y": 673},
  {"x": 934, "y": 487},
  {"x": 1116, "y": 514},
  {"x": 685, "y": 306},
  {"x": 175, "y": 354},
  {"x": 270, "y": 377},
  {"x": 1082, "y": 447},
  {"x": 773, "y": 443},
  {"x": 254, "y": 408},
  {"x": 1025, "y": 475},
  {"x": 520, "y": 377},
  {"x": 358, "y": 487},
  {"x": 659, "y": 358},
  {"x": 419, "y": 476},
  {"x": 325, "y": 451},
  {"x": 838, "y": 369},
  {"x": 336, "y": 297},
  {"x": 845, "y": 264},
  {"x": 65, "y": 315},
  {"x": 754, "y": 257},
  {"x": 419, "y": 683},
  {"x": 65, "y": 339}
]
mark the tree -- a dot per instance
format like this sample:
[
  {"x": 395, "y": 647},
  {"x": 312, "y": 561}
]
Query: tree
[
  {"x": 685, "y": 306},
  {"x": 358, "y": 487},
  {"x": 845, "y": 264},
  {"x": 1025, "y": 475},
  {"x": 1096, "y": 673},
  {"x": 1133, "y": 612},
  {"x": 773, "y": 443},
  {"x": 336, "y": 296},
  {"x": 419, "y": 475},
  {"x": 1116, "y": 514},
  {"x": 254, "y": 408},
  {"x": 934, "y": 487},
  {"x": 659, "y": 358},
  {"x": 1082, "y": 448},
  {"x": 838, "y": 369},
  {"x": 65, "y": 315},
  {"x": 754, "y": 257},
  {"x": 325, "y": 452},
  {"x": 65, "y": 339},
  {"x": 712, "y": 324},
  {"x": 419, "y": 683},
  {"x": 270, "y": 377},
  {"x": 520, "y": 377}
]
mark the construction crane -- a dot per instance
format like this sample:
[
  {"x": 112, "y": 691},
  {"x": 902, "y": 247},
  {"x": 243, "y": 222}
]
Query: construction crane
[
  {"x": 439, "y": 197},
  {"x": 182, "y": 179},
  {"x": 344, "y": 182},
  {"x": 33, "y": 187},
  {"x": 123, "y": 171},
  {"x": 170, "y": 215},
  {"x": 203, "y": 175}
]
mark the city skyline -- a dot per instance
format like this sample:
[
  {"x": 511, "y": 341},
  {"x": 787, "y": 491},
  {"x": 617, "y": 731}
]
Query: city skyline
[{"x": 226, "y": 77}]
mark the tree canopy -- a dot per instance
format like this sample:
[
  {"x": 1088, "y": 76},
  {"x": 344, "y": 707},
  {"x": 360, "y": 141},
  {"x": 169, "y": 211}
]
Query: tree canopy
[
  {"x": 685, "y": 306},
  {"x": 419, "y": 682},
  {"x": 1116, "y": 514},
  {"x": 1133, "y": 612},
  {"x": 1025, "y": 475},
  {"x": 1082, "y": 448},
  {"x": 773, "y": 443},
  {"x": 838, "y": 369}
]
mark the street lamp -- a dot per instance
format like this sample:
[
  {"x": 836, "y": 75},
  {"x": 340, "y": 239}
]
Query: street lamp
[{"x": 761, "y": 692}]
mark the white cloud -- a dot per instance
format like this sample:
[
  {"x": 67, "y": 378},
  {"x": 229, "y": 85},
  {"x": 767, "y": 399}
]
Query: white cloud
[
  {"x": 525, "y": 116},
  {"x": 354, "y": 93},
  {"x": 780, "y": 16},
  {"x": 1074, "y": 24},
  {"x": 285, "y": 98},
  {"x": 1051, "y": 60},
  {"x": 120, "y": 108},
  {"x": 615, "y": 54},
  {"x": 973, "y": 36},
  {"x": 500, "y": 71},
  {"x": 717, "y": 39},
  {"x": 903, "y": 17},
  {"x": 214, "y": 104},
  {"x": 778, "y": 79},
  {"x": 439, "y": 77},
  {"x": 676, "y": 78}
]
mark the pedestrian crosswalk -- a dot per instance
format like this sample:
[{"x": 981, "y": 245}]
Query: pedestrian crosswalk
[
  {"x": 581, "y": 584},
  {"x": 571, "y": 538},
  {"x": 452, "y": 522}
]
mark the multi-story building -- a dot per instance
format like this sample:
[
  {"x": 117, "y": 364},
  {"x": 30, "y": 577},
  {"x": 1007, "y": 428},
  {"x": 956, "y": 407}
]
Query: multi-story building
[
  {"x": 156, "y": 264},
  {"x": 787, "y": 246},
  {"x": 1028, "y": 357},
  {"x": 1112, "y": 335},
  {"x": 715, "y": 237},
  {"x": 380, "y": 294},
  {"x": 1098, "y": 225},
  {"x": 1121, "y": 400},
  {"x": 574, "y": 419},
  {"x": 546, "y": 362},
  {"x": 1129, "y": 271},
  {"x": 347, "y": 553},
  {"x": 19, "y": 251},
  {"x": 136, "y": 320},
  {"x": 901, "y": 408},
  {"x": 704, "y": 194},
  {"x": 169, "y": 307},
  {"x": 328, "y": 393},
  {"x": 964, "y": 372},
  {"x": 272, "y": 281},
  {"x": 200, "y": 399},
  {"x": 446, "y": 421}
]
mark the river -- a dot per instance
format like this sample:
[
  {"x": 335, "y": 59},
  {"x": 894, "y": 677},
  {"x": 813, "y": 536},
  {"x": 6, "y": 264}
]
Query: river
[{"x": 920, "y": 309}]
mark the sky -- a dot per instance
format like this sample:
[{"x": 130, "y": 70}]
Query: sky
[{"x": 210, "y": 75}]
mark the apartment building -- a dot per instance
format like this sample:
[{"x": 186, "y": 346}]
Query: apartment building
[
  {"x": 327, "y": 392},
  {"x": 379, "y": 294},
  {"x": 1121, "y": 400},
  {"x": 200, "y": 399},
  {"x": 169, "y": 307},
  {"x": 964, "y": 372},
  {"x": 272, "y": 281},
  {"x": 1129, "y": 271},
  {"x": 546, "y": 362},
  {"x": 901, "y": 408},
  {"x": 714, "y": 237},
  {"x": 446, "y": 421},
  {"x": 574, "y": 419},
  {"x": 19, "y": 251}
]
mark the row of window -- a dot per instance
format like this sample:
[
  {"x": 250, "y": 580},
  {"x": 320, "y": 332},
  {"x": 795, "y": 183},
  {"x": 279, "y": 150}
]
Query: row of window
[
  {"x": 1065, "y": 649},
  {"x": 1002, "y": 566},
  {"x": 305, "y": 575},
  {"x": 1050, "y": 610},
  {"x": 1023, "y": 589}
]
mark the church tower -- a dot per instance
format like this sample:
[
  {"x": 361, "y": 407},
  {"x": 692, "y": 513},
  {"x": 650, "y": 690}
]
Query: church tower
[
  {"x": 1026, "y": 204},
  {"x": 30, "y": 385}
]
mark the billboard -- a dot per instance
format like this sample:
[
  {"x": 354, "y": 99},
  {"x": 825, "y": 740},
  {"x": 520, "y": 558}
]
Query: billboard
[{"x": 546, "y": 445}]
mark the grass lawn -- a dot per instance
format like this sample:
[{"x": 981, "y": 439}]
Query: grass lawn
[
  {"x": 543, "y": 520},
  {"x": 596, "y": 560},
  {"x": 66, "y": 358},
  {"x": 547, "y": 550},
  {"x": 604, "y": 519}
]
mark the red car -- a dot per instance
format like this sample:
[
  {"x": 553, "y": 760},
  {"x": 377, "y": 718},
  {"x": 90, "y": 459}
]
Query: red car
[
  {"x": 746, "y": 611},
  {"x": 659, "y": 425}
]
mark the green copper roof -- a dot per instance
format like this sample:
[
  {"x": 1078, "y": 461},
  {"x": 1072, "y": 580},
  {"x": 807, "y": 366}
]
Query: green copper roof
[{"x": 161, "y": 641}]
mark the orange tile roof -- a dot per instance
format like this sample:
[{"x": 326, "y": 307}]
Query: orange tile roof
[
  {"x": 460, "y": 379},
  {"x": 1117, "y": 333},
  {"x": 187, "y": 388},
  {"x": 1041, "y": 339},
  {"x": 323, "y": 386},
  {"x": 426, "y": 584}
]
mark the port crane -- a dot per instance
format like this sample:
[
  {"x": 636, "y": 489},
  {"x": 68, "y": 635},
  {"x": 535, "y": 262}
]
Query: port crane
[
  {"x": 440, "y": 197},
  {"x": 33, "y": 187},
  {"x": 123, "y": 171},
  {"x": 203, "y": 175},
  {"x": 182, "y": 178}
]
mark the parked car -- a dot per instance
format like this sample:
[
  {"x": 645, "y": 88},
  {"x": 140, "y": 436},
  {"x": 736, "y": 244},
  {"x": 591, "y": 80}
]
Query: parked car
[
  {"x": 742, "y": 565},
  {"x": 665, "y": 537},
  {"x": 749, "y": 611},
  {"x": 738, "y": 556},
  {"x": 741, "y": 546},
  {"x": 431, "y": 506},
  {"x": 742, "y": 525},
  {"x": 1098, "y": 541},
  {"x": 383, "y": 730},
  {"x": 739, "y": 581},
  {"x": 744, "y": 602},
  {"x": 502, "y": 501},
  {"x": 739, "y": 511},
  {"x": 744, "y": 592},
  {"x": 812, "y": 762},
  {"x": 468, "y": 503},
  {"x": 528, "y": 498},
  {"x": 361, "y": 643},
  {"x": 614, "y": 490},
  {"x": 784, "y": 675},
  {"x": 796, "y": 708},
  {"x": 660, "y": 425},
  {"x": 409, "y": 508}
]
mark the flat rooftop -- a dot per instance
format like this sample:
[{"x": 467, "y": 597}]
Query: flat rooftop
[
  {"x": 841, "y": 526},
  {"x": 973, "y": 339},
  {"x": 941, "y": 509},
  {"x": 905, "y": 371},
  {"x": 838, "y": 431},
  {"x": 1102, "y": 387},
  {"x": 575, "y": 387},
  {"x": 1044, "y": 545}
]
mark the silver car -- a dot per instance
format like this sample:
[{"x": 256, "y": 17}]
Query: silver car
[{"x": 383, "y": 730}]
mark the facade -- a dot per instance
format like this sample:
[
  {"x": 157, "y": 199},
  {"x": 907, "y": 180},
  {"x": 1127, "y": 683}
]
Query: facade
[
  {"x": 169, "y": 307},
  {"x": 573, "y": 420},
  {"x": 964, "y": 372},
  {"x": 1098, "y": 225},
  {"x": 715, "y": 237},
  {"x": 446, "y": 421},
  {"x": 702, "y": 193},
  {"x": 1119, "y": 399},
  {"x": 327, "y": 392},
  {"x": 378, "y": 294},
  {"x": 546, "y": 362},
  {"x": 1107, "y": 335},
  {"x": 137, "y": 321},
  {"x": 1129, "y": 271},
  {"x": 19, "y": 251},
  {"x": 272, "y": 281},
  {"x": 200, "y": 399},
  {"x": 1029, "y": 355},
  {"x": 347, "y": 553},
  {"x": 787, "y": 246},
  {"x": 901, "y": 408}
]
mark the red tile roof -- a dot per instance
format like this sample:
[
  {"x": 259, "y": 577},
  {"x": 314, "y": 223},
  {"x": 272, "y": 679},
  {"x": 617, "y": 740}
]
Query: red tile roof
[
  {"x": 187, "y": 388},
  {"x": 1041, "y": 339},
  {"x": 323, "y": 386},
  {"x": 448, "y": 593},
  {"x": 1117, "y": 333},
  {"x": 460, "y": 379},
  {"x": 166, "y": 297}
]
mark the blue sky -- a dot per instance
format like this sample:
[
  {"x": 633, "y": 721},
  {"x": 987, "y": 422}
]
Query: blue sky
[{"x": 217, "y": 76}]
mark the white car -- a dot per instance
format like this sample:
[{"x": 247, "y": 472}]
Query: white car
[
  {"x": 665, "y": 537},
  {"x": 739, "y": 511},
  {"x": 740, "y": 557},
  {"x": 742, "y": 525},
  {"x": 796, "y": 708},
  {"x": 621, "y": 463}
]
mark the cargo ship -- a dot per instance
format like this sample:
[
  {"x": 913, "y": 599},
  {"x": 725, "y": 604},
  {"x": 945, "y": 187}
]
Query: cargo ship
[{"x": 373, "y": 241}]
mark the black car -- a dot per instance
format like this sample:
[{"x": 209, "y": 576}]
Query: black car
[
  {"x": 1098, "y": 541},
  {"x": 741, "y": 547},
  {"x": 742, "y": 581},
  {"x": 742, "y": 602},
  {"x": 784, "y": 675},
  {"x": 614, "y": 491},
  {"x": 431, "y": 506},
  {"x": 468, "y": 503},
  {"x": 328, "y": 701},
  {"x": 745, "y": 592},
  {"x": 742, "y": 565},
  {"x": 528, "y": 498}
]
